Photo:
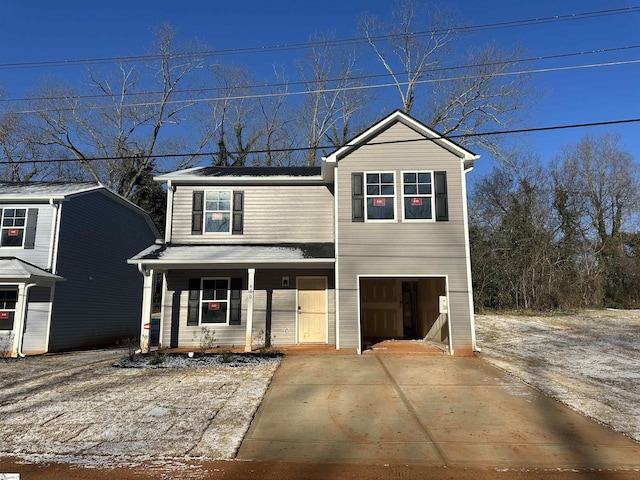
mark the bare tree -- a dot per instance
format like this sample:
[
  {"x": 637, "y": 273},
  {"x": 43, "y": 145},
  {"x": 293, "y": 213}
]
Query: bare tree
[
  {"x": 333, "y": 97},
  {"x": 451, "y": 92},
  {"x": 119, "y": 121}
]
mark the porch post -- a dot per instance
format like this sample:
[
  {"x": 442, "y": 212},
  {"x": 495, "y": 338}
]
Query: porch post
[
  {"x": 247, "y": 345},
  {"x": 147, "y": 300}
]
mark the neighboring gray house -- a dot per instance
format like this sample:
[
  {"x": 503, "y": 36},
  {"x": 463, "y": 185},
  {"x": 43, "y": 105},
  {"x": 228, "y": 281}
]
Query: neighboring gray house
[
  {"x": 371, "y": 245},
  {"x": 64, "y": 278}
]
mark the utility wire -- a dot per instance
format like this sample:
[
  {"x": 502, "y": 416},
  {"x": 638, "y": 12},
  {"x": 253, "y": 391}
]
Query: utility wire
[
  {"x": 334, "y": 148},
  {"x": 333, "y": 80},
  {"x": 192, "y": 101},
  {"x": 340, "y": 42}
]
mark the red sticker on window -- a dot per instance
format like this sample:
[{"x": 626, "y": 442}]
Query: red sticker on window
[
  {"x": 13, "y": 232},
  {"x": 379, "y": 202},
  {"x": 4, "y": 314},
  {"x": 214, "y": 305},
  {"x": 216, "y": 216},
  {"x": 416, "y": 202}
]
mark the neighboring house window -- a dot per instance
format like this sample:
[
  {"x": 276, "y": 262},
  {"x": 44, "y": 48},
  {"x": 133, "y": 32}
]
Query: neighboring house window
[
  {"x": 8, "y": 300},
  {"x": 417, "y": 195},
  {"x": 380, "y": 196},
  {"x": 14, "y": 222},
  {"x": 217, "y": 211},
  {"x": 214, "y": 300}
]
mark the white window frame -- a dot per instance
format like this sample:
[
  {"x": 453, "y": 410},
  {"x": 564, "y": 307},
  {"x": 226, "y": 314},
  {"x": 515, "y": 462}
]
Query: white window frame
[
  {"x": 23, "y": 227},
  {"x": 205, "y": 211},
  {"x": 432, "y": 197},
  {"x": 202, "y": 300},
  {"x": 392, "y": 197}
]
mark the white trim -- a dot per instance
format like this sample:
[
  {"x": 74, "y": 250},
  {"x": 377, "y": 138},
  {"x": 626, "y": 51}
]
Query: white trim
[
  {"x": 467, "y": 245},
  {"x": 204, "y": 211},
  {"x": 201, "y": 301},
  {"x": 163, "y": 299},
  {"x": 54, "y": 226},
  {"x": 432, "y": 197},
  {"x": 23, "y": 227},
  {"x": 326, "y": 307},
  {"x": 205, "y": 264},
  {"x": 336, "y": 269},
  {"x": 401, "y": 276},
  {"x": 367, "y": 196},
  {"x": 395, "y": 117},
  {"x": 52, "y": 294},
  {"x": 56, "y": 245},
  {"x": 251, "y": 273}
]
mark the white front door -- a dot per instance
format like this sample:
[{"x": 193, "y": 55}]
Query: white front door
[{"x": 312, "y": 309}]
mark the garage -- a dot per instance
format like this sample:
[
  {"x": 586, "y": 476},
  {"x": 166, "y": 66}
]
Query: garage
[{"x": 403, "y": 308}]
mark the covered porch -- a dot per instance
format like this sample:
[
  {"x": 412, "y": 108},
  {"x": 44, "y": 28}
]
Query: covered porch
[{"x": 240, "y": 295}]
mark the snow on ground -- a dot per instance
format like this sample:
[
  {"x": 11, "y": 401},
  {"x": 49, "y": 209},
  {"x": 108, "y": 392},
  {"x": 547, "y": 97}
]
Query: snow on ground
[
  {"x": 78, "y": 408},
  {"x": 589, "y": 360}
]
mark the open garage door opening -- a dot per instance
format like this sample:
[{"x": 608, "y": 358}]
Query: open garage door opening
[{"x": 399, "y": 308}]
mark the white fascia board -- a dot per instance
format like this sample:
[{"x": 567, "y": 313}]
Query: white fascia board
[
  {"x": 32, "y": 198},
  {"x": 205, "y": 264},
  {"x": 396, "y": 116},
  {"x": 244, "y": 180}
]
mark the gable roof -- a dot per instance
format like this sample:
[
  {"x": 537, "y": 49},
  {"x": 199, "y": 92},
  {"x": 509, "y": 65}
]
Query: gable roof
[
  {"x": 400, "y": 117},
  {"x": 43, "y": 192}
]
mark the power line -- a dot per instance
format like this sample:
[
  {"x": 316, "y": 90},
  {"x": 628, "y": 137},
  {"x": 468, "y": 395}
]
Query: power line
[
  {"x": 340, "y": 42},
  {"x": 332, "y": 90},
  {"x": 335, "y": 80},
  {"x": 333, "y": 148}
]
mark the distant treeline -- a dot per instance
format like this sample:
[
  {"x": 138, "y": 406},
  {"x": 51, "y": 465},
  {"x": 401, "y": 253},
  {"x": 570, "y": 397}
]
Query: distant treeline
[{"x": 558, "y": 236}]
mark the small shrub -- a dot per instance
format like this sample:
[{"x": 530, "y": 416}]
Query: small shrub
[
  {"x": 263, "y": 341},
  {"x": 156, "y": 358},
  {"x": 6, "y": 344},
  {"x": 207, "y": 339},
  {"x": 131, "y": 344},
  {"x": 227, "y": 355}
]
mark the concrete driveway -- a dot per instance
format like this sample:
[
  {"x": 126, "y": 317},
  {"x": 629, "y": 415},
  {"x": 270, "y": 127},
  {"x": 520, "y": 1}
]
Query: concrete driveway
[{"x": 446, "y": 411}]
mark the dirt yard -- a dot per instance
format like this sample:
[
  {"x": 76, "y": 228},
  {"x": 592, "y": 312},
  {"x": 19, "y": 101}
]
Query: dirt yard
[{"x": 589, "y": 360}]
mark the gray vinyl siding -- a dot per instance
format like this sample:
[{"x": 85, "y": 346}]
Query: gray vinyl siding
[
  {"x": 39, "y": 255},
  {"x": 100, "y": 301},
  {"x": 283, "y": 316},
  {"x": 38, "y": 308},
  {"x": 272, "y": 214},
  {"x": 400, "y": 248}
]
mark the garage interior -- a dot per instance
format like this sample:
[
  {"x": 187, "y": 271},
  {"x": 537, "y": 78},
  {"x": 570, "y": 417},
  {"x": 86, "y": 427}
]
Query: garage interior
[{"x": 400, "y": 308}]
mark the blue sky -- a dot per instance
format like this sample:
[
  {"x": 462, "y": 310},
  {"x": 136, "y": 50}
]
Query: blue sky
[{"x": 43, "y": 31}]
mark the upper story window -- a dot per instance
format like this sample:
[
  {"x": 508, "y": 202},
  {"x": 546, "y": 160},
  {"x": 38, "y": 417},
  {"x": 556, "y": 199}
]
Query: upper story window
[
  {"x": 417, "y": 195},
  {"x": 380, "y": 196},
  {"x": 217, "y": 211},
  {"x": 14, "y": 222}
]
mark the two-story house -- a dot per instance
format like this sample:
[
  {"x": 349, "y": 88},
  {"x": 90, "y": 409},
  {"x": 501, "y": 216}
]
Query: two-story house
[
  {"x": 64, "y": 278},
  {"x": 371, "y": 245}
]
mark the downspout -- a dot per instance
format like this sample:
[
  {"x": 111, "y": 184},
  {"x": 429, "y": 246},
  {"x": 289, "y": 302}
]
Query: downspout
[
  {"x": 169, "y": 216},
  {"x": 23, "y": 316},
  {"x": 467, "y": 245},
  {"x": 53, "y": 242}
]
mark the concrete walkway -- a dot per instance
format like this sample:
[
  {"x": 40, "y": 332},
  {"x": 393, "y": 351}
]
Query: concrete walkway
[{"x": 449, "y": 411}]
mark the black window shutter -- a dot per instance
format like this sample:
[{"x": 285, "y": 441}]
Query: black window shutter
[
  {"x": 238, "y": 213},
  {"x": 196, "y": 213},
  {"x": 235, "y": 307},
  {"x": 357, "y": 197},
  {"x": 193, "y": 307},
  {"x": 30, "y": 230},
  {"x": 442, "y": 207}
]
